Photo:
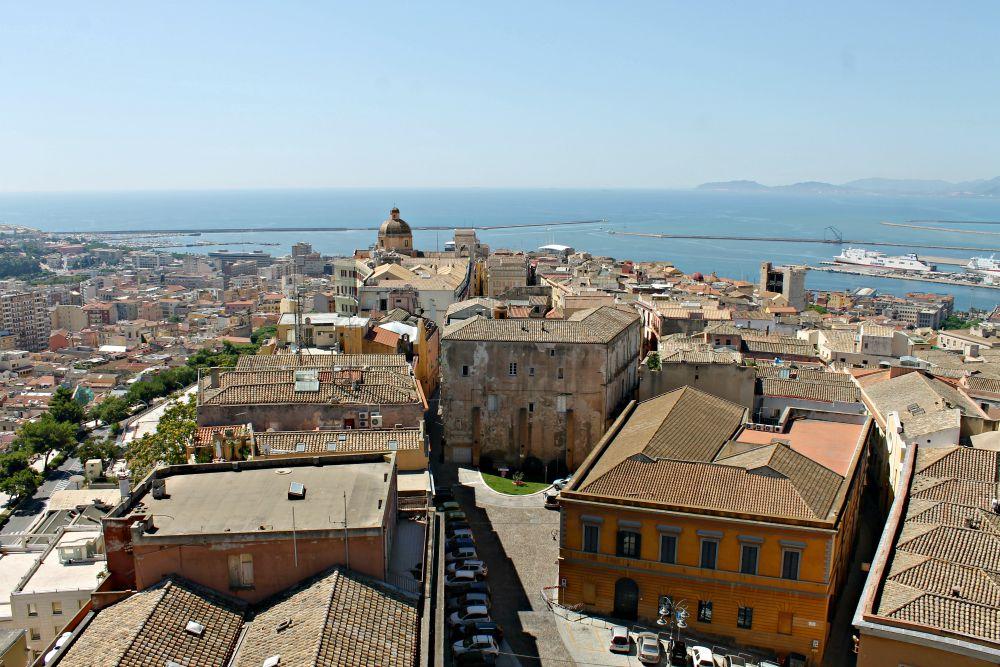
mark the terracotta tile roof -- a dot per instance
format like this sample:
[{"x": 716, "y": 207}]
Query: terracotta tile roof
[
  {"x": 149, "y": 629},
  {"x": 341, "y": 618},
  {"x": 594, "y": 325},
  {"x": 945, "y": 565},
  {"x": 205, "y": 435},
  {"x": 779, "y": 346},
  {"x": 983, "y": 385},
  {"x": 828, "y": 392},
  {"x": 368, "y": 386},
  {"x": 677, "y": 449},
  {"x": 338, "y": 618},
  {"x": 786, "y": 372},
  {"x": 384, "y": 336},
  {"x": 353, "y": 441},
  {"x": 259, "y": 362}
]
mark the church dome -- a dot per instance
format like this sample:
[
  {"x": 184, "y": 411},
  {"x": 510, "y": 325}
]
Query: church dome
[{"x": 394, "y": 225}]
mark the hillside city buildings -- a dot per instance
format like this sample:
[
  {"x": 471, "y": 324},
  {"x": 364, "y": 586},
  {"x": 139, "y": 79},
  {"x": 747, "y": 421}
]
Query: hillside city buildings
[{"x": 770, "y": 472}]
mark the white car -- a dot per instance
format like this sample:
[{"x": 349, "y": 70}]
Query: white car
[
  {"x": 620, "y": 642},
  {"x": 702, "y": 656},
  {"x": 460, "y": 533},
  {"x": 483, "y": 644},
  {"x": 466, "y": 599},
  {"x": 648, "y": 648},
  {"x": 477, "y": 566},
  {"x": 559, "y": 484},
  {"x": 459, "y": 578},
  {"x": 470, "y": 614}
]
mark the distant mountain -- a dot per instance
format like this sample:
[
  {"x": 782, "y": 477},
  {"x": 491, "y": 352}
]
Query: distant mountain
[{"x": 873, "y": 186}]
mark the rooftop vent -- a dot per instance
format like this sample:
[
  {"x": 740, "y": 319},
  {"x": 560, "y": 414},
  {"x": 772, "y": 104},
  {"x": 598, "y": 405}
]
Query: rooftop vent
[
  {"x": 393, "y": 445},
  {"x": 296, "y": 491},
  {"x": 195, "y": 628},
  {"x": 331, "y": 446},
  {"x": 956, "y": 591},
  {"x": 342, "y": 437},
  {"x": 273, "y": 661},
  {"x": 284, "y": 625},
  {"x": 300, "y": 447},
  {"x": 973, "y": 522}
]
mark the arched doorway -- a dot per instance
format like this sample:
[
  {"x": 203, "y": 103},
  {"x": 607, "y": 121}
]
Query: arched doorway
[{"x": 626, "y": 599}]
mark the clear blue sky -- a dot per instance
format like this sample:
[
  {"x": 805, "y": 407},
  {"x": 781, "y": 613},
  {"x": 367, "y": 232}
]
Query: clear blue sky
[{"x": 162, "y": 95}]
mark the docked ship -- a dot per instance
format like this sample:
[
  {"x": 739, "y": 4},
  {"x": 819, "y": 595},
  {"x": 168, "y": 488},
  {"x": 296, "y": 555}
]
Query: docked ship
[
  {"x": 987, "y": 265},
  {"x": 879, "y": 260}
]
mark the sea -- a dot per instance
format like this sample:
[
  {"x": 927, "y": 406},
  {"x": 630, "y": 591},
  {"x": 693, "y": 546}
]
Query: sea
[{"x": 856, "y": 218}]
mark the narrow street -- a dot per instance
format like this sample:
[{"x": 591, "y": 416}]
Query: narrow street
[{"x": 28, "y": 512}]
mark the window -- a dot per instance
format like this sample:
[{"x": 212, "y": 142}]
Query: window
[
  {"x": 628, "y": 543},
  {"x": 591, "y": 538},
  {"x": 56, "y": 608},
  {"x": 512, "y": 370},
  {"x": 668, "y": 549},
  {"x": 559, "y": 374},
  {"x": 748, "y": 558},
  {"x": 785, "y": 622},
  {"x": 552, "y": 352},
  {"x": 35, "y": 634},
  {"x": 531, "y": 371},
  {"x": 709, "y": 554},
  {"x": 744, "y": 618},
  {"x": 531, "y": 407},
  {"x": 241, "y": 571},
  {"x": 491, "y": 402},
  {"x": 790, "y": 564},
  {"x": 465, "y": 371},
  {"x": 705, "y": 611},
  {"x": 32, "y": 609}
]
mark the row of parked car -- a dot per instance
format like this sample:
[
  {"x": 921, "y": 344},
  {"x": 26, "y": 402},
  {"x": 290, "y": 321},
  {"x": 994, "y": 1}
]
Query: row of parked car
[
  {"x": 475, "y": 637},
  {"x": 654, "y": 649}
]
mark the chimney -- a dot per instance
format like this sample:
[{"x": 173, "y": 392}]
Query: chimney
[
  {"x": 213, "y": 378},
  {"x": 159, "y": 488},
  {"x": 124, "y": 487},
  {"x": 500, "y": 311}
]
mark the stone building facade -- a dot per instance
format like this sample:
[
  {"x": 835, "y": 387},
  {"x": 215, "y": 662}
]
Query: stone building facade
[{"x": 519, "y": 388}]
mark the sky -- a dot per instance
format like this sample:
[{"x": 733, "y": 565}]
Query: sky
[{"x": 246, "y": 94}]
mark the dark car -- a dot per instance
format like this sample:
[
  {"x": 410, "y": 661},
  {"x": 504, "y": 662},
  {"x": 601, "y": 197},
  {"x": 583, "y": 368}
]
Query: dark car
[
  {"x": 443, "y": 494},
  {"x": 472, "y": 587},
  {"x": 475, "y": 658},
  {"x": 678, "y": 653},
  {"x": 458, "y": 543},
  {"x": 479, "y": 628},
  {"x": 794, "y": 660}
]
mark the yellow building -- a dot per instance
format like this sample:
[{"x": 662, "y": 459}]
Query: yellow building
[{"x": 750, "y": 528}]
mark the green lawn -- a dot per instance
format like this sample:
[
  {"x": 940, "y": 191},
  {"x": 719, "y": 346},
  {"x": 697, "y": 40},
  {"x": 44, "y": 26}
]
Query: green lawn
[{"x": 504, "y": 485}]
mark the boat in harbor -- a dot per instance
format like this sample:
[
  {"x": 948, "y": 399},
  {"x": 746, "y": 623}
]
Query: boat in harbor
[
  {"x": 986, "y": 265},
  {"x": 879, "y": 260}
]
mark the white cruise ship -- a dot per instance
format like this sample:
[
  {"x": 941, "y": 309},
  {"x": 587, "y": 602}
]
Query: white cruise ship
[
  {"x": 879, "y": 260},
  {"x": 986, "y": 265}
]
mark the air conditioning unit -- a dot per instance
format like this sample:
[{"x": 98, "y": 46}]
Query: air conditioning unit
[{"x": 376, "y": 420}]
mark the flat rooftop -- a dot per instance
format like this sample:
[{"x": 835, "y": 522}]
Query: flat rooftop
[
  {"x": 255, "y": 500},
  {"x": 830, "y": 444},
  {"x": 53, "y": 575},
  {"x": 13, "y": 567}
]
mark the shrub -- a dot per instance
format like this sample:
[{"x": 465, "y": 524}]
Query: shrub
[
  {"x": 486, "y": 463},
  {"x": 533, "y": 469}
]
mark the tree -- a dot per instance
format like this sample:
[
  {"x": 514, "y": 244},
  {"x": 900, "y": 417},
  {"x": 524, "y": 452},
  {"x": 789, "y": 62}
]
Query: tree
[
  {"x": 263, "y": 333},
  {"x": 46, "y": 434},
  {"x": 111, "y": 410},
  {"x": 97, "y": 449},
  {"x": 226, "y": 356},
  {"x": 168, "y": 444},
  {"x": 64, "y": 408},
  {"x": 20, "y": 484}
]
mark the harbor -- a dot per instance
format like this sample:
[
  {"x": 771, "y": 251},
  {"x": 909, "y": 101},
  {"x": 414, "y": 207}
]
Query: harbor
[{"x": 937, "y": 278}]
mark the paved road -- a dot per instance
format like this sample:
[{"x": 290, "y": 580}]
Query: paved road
[{"x": 25, "y": 516}]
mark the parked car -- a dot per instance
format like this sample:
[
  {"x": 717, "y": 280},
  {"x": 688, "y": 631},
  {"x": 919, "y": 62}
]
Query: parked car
[
  {"x": 620, "y": 642},
  {"x": 464, "y": 599},
  {"x": 794, "y": 660},
  {"x": 473, "y": 587},
  {"x": 463, "y": 532},
  {"x": 460, "y": 553},
  {"x": 449, "y": 505},
  {"x": 454, "y": 515},
  {"x": 469, "y": 614},
  {"x": 452, "y": 526},
  {"x": 678, "y": 653},
  {"x": 443, "y": 494},
  {"x": 552, "y": 500},
  {"x": 768, "y": 663},
  {"x": 460, "y": 577},
  {"x": 458, "y": 543},
  {"x": 559, "y": 484},
  {"x": 648, "y": 648},
  {"x": 482, "y": 644},
  {"x": 479, "y": 628},
  {"x": 474, "y": 565},
  {"x": 702, "y": 656},
  {"x": 734, "y": 661}
]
